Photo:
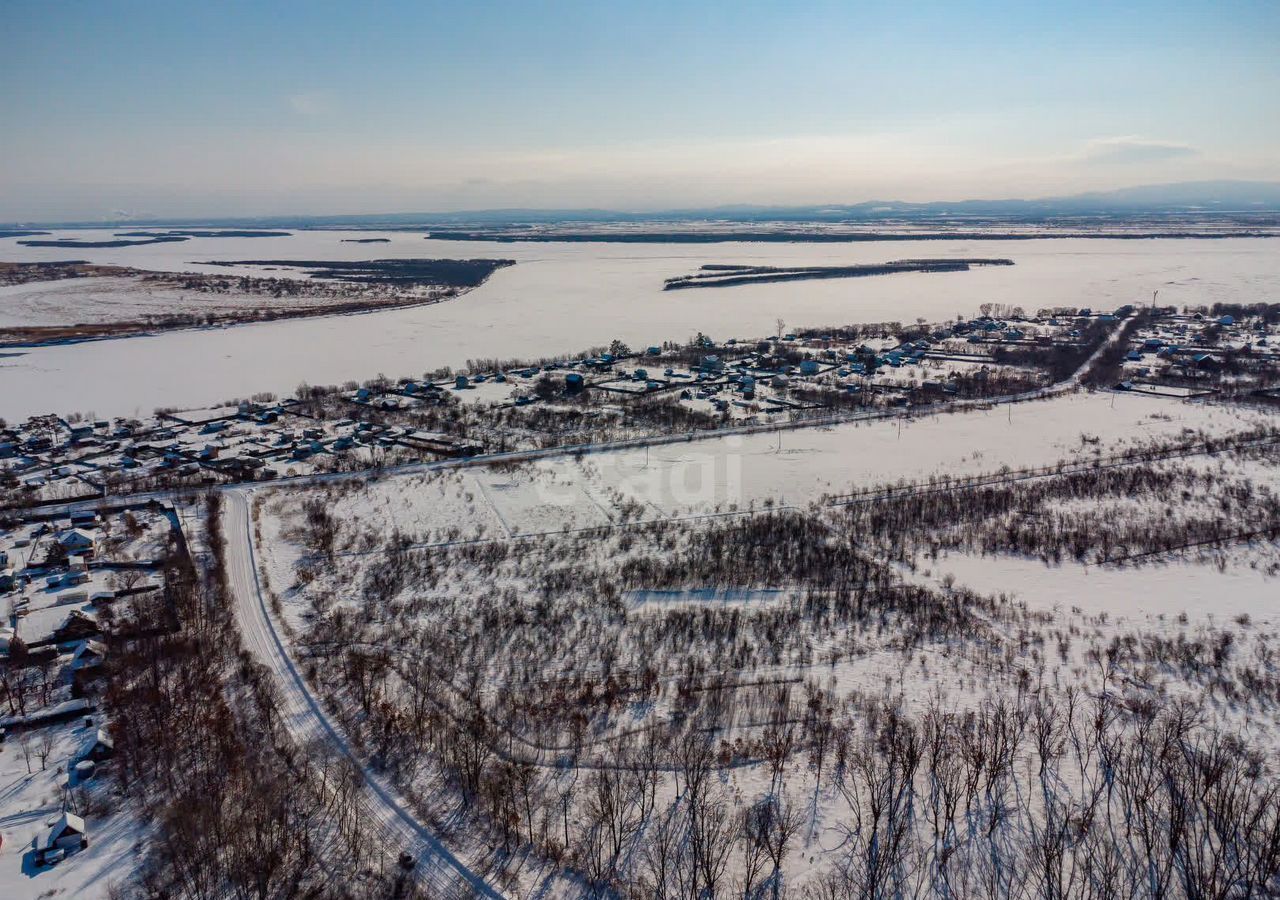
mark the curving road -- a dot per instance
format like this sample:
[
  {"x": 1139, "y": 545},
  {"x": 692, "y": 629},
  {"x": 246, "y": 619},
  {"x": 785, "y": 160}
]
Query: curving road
[{"x": 385, "y": 811}]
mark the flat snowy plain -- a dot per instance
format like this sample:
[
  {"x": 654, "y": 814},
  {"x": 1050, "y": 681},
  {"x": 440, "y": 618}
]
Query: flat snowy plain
[{"x": 562, "y": 298}]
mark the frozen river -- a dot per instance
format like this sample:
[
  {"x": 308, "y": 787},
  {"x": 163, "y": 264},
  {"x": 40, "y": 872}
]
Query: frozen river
[{"x": 561, "y": 298}]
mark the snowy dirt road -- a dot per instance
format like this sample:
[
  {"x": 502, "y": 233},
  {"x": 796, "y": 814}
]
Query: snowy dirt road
[{"x": 386, "y": 812}]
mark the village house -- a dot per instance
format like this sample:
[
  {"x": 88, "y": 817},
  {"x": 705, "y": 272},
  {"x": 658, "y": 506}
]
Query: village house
[
  {"x": 66, "y": 835},
  {"x": 75, "y": 541},
  {"x": 102, "y": 748},
  {"x": 85, "y": 518},
  {"x": 89, "y": 654},
  {"x": 76, "y": 626}
]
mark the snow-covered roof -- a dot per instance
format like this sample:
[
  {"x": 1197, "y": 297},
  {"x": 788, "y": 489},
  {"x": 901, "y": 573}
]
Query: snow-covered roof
[
  {"x": 74, "y": 537},
  {"x": 97, "y": 648},
  {"x": 68, "y": 823}
]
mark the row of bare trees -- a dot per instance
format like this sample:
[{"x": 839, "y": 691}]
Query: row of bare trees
[{"x": 1100, "y": 514}]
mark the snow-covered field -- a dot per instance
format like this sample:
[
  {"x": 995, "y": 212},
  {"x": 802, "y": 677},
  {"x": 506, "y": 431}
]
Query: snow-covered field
[
  {"x": 1130, "y": 594},
  {"x": 796, "y": 468},
  {"x": 108, "y": 299},
  {"x": 560, "y": 298},
  {"x": 714, "y": 477}
]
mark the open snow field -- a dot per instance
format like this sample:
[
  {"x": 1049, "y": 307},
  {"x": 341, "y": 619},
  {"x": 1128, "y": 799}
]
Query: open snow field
[
  {"x": 1131, "y": 594},
  {"x": 714, "y": 476},
  {"x": 796, "y": 468},
  {"x": 110, "y": 299},
  {"x": 561, "y": 298}
]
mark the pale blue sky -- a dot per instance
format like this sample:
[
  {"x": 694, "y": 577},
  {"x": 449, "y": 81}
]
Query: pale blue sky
[{"x": 176, "y": 108}]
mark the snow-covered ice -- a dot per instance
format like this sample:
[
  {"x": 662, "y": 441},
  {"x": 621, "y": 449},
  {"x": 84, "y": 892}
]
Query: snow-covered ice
[{"x": 561, "y": 298}]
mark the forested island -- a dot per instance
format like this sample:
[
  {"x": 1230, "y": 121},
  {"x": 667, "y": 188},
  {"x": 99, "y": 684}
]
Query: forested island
[
  {"x": 733, "y": 275},
  {"x": 459, "y": 273}
]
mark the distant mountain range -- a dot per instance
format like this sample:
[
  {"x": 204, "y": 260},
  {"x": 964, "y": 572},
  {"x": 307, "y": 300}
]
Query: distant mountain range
[
  {"x": 1185, "y": 200},
  {"x": 1181, "y": 199}
]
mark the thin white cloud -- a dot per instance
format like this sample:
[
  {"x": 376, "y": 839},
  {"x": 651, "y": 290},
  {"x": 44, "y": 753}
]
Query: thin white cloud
[{"x": 1133, "y": 149}]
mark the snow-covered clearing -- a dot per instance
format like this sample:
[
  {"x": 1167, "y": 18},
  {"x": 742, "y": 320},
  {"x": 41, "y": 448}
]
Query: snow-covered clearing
[
  {"x": 719, "y": 475},
  {"x": 107, "y": 299},
  {"x": 1132, "y": 595}
]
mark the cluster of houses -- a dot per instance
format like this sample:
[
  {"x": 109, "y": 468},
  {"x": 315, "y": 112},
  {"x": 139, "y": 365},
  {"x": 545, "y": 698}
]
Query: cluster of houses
[
  {"x": 762, "y": 377},
  {"x": 1194, "y": 349},
  {"x": 746, "y": 379},
  {"x": 58, "y": 574},
  {"x": 48, "y": 459}
]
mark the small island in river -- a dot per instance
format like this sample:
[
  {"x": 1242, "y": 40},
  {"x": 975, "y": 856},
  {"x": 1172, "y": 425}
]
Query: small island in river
[{"x": 735, "y": 275}]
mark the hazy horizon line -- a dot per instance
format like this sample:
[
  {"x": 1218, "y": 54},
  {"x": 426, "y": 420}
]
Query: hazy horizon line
[{"x": 1149, "y": 206}]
